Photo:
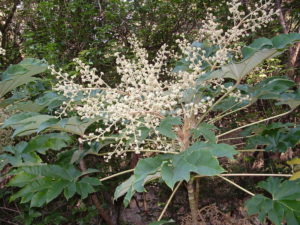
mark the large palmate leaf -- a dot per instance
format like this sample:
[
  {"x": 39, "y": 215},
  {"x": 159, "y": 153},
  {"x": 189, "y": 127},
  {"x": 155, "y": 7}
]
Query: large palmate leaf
[
  {"x": 276, "y": 88},
  {"x": 22, "y": 73},
  {"x": 41, "y": 184},
  {"x": 253, "y": 55},
  {"x": 284, "y": 204},
  {"x": 144, "y": 168},
  {"x": 238, "y": 71},
  {"x": 126, "y": 188},
  {"x": 200, "y": 158},
  {"x": 271, "y": 88},
  {"x": 28, "y": 123},
  {"x": 275, "y": 137},
  {"x": 217, "y": 150},
  {"x": 199, "y": 161}
]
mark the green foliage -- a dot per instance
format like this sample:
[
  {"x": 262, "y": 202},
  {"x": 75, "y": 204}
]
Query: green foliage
[
  {"x": 271, "y": 88},
  {"x": 18, "y": 156},
  {"x": 253, "y": 55},
  {"x": 145, "y": 167},
  {"x": 43, "y": 172},
  {"x": 42, "y": 183},
  {"x": 200, "y": 158},
  {"x": 284, "y": 204},
  {"x": 202, "y": 162},
  {"x": 27, "y": 123},
  {"x": 276, "y": 88},
  {"x": 54, "y": 141},
  {"x": 29, "y": 216},
  {"x": 218, "y": 150},
  {"x": 45, "y": 102},
  {"x": 22, "y": 73},
  {"x": 275, "y": 137},
  {"x": 205, "y": 130},
  {"x": 292, "y": 99}
]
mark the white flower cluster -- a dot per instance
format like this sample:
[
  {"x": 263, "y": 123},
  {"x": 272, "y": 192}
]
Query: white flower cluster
[
  {"x": 242, "y": 25},
  {"x": 143, "y": 98},
  {"x": 237, "y": 94},
  {"x": 140, "y": 100},
  {"x": 239, "y": 97}
]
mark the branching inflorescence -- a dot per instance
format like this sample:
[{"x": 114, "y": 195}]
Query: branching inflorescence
[{"x": 143, "y": 99}]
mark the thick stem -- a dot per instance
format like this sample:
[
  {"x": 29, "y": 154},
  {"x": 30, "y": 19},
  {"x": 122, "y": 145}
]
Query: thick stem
[
  {"x": 197, "y": 189},
  {"x": 238, "y": 186},
  {"x": 104, "y": 215},
  {"x": 116, "y": 174},
  {"x": 193, "y": 204}
]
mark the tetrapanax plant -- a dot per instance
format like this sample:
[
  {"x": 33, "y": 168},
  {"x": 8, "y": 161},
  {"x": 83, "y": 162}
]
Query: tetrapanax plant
[
  {"x": 143, "y": 99},
  {"x": 147, "y": 113}
]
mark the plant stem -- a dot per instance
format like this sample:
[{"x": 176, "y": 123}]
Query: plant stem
[
  {"x": 257, "y": 122},
  {"x": 250, "y": 175},
  {"x": 169, "y": 201},
  {"x": 144, "y": 150},
  {"x": 251, "y": 150},
  {"x": 238, "y": 186},
  {"x": 193, "y": 204},
  {"x": 197, "y": 189},
  {"x": 117, "y": 174},
  {"x": 234, "y": 138},
  {"x": 254, "y": 175},
  {"x": 242, "y": 143}
]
